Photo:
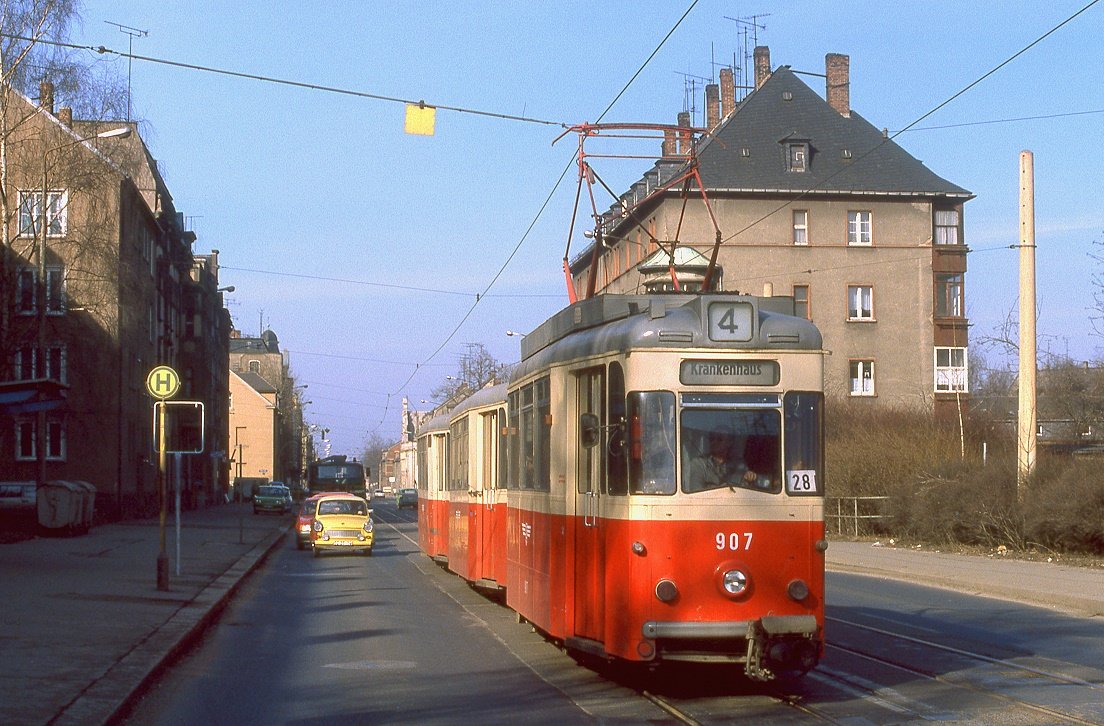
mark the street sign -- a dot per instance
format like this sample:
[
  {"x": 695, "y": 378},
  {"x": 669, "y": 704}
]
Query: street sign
[
  {"x": 163, "y": 382},
  {"x": 183, "y": 422}
]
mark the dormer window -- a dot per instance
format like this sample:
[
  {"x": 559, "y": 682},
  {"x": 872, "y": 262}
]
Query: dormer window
[{"x": 797, "y": 156}]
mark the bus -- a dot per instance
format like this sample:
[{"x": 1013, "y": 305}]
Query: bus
[{"x": 337, "y": 474}]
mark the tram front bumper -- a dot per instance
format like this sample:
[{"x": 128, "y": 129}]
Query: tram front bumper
[{"x": 767, "y": 646}]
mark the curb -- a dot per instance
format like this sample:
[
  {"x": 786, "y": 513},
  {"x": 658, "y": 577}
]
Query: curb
[{"x": 108, "y": 699}]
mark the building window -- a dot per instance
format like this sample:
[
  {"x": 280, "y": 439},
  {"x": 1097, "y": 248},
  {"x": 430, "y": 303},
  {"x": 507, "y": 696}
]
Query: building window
[
  {"x": 951, "y": 370},
  {"x": 797, "y": 156},
  {"x": 30, "y": 213},
  {"x": 254, "y": 366},
  {"x": 26, "y": 440},
  {"x": 28, "y": 366},
  {"x": 28, "y": 291},
  {"x": 860, "y": 302},
  {"x": 801, "y": 302},
  {"x": 860, "y": 228},
  {"x": 800, "y": 227},
  {"x": 946, "y": 227},
  {"x": 862, "y": 377},
  {"x": 949, "y": 295}
]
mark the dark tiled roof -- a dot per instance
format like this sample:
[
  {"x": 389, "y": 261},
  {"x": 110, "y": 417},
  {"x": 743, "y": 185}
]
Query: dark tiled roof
[
  {"x": 257, "y": 382},
  {"x": 764, "y": 121}
]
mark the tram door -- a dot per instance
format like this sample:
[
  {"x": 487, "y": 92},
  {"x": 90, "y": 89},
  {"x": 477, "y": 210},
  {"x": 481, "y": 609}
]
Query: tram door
[
  {"x": 483, "y": 538},
  {"x": 590, "y": 556}
]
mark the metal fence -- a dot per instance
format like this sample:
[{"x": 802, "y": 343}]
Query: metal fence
[{"x": 852, "y": 515}]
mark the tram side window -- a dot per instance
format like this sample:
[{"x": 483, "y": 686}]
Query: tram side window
[
  {"x": 534, "y": 440},
  {"x": 459, "y": 454},
  {"x": 514, "y": 406},
  {"x": 804, "y": 412},
  {"x": 651, "y": 424},
  {"x": 590, "y": 385},
  {"x": 544, "y": 435},
  {"x": 616, "y": 448},
  {"x": 503, "y": 450}
]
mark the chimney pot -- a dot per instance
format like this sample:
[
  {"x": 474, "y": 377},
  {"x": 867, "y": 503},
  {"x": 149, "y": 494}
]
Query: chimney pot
[
  {"x": 728, "y": 92},
  {"x": 684, "y": 136},
  {"x": 837, "y": 83},
  {"x": 669, "y": 142},
  {"x": 66, "y": 115},
  {"x": 762, "y": 65},
  {"x": 712, "y": 106},
  {"x": 46, "y": 96}
]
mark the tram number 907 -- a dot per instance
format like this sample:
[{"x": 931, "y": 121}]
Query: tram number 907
[{"x": 733, "y": 541}]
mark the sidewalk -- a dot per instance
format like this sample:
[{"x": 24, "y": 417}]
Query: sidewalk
[
  {"x": 82, "y": 623},
  {"x": 1078, "y": 590}
]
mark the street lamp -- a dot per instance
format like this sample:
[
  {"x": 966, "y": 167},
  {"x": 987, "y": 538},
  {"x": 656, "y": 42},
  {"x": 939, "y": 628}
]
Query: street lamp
[
  {"x": 41, "y": 436},
  {"x": 513, "y": 333},
  {"x": 229, "y": 288}
]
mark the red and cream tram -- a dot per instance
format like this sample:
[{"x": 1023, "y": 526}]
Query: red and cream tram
[
  {"x": 665, "y": 481},
  {"x": 432, "y": 480}
]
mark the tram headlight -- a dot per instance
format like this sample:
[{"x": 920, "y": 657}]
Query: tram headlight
[{"x": 735, "y": 582}]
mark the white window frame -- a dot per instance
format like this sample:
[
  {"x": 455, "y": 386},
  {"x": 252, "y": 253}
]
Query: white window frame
[
  {"x": 57, "y": 215},
  {"x": 860, "y": 303},
  {"x": 28, "y": 276},
  {"x": 861, "y": 376},
  {"x": 797, "y": 157},
  {"x": 952, "y": 376},
  {"x": 27, "y": 366},
  {"x": 801, "y": 227},
  {"x": 946, "y": 227},
  {"x": 860, "y": 228},
  {"x": 55, "y": 439},
  {"x": 55, "y": 290}
]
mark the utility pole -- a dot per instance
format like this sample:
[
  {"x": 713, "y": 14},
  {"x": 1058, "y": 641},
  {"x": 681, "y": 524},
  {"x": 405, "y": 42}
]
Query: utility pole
[{"x": 1026, "y": 439}]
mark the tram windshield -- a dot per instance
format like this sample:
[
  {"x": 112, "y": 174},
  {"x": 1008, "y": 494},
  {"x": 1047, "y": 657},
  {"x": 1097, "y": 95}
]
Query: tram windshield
[{"x": 738, "y": 448}]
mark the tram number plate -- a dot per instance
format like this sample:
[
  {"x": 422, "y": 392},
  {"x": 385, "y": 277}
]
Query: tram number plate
[
  {"x": 730, "y": 321},
  {"x": 801, "y": 481}
]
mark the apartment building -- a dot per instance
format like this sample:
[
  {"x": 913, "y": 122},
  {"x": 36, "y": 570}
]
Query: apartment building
[
  {"x": 812, "y": 201},
  {"x": 99, "y": 286}
]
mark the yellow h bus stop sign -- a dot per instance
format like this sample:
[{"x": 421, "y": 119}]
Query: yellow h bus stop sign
[{"x": 163, "y": 382}]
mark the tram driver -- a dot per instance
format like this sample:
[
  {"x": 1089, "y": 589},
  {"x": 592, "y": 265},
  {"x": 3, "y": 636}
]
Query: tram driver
[{"x": 729, "y": 460}]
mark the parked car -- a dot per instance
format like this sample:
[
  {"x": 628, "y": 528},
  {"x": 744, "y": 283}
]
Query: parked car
[
  {"x": 407, "y": 498},
  {"x": 342, "y": 522},
  {"x": 272, "y": 498}
]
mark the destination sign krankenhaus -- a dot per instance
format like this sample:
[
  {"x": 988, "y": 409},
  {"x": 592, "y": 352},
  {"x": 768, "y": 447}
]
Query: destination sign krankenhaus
[{"x": 729, "y": 372}]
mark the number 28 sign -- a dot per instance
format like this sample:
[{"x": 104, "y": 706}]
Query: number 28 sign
[{"x": 801, "y": 481}]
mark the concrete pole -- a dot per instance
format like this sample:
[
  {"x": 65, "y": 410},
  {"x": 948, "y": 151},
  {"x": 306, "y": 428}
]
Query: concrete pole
[{"x": 1027, "y": 417}]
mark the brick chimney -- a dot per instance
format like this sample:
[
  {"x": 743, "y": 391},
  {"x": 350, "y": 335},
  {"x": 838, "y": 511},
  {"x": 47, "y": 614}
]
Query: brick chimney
[
  {"x": 66, "y": 115},
  {"x": 684, "y": 136},
  {"x": 712, "y": 106},
  {"x": 837, "y": 84},
  {"x": 762, "y": 65},
  {"x": 728, "y": 92},
  {"x": 670, "y": 143},
  {"x": 46, "y": 96}
]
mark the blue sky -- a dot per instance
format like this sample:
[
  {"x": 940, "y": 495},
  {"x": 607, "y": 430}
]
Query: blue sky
[{"x": 379, "y": 240}]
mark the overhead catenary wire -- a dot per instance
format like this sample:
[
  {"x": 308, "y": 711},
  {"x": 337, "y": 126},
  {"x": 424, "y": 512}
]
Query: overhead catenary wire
[{"x": 103, "y": 50}]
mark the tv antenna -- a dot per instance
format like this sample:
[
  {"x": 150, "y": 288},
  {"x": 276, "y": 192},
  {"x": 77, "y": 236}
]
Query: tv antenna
[
  {"x": 133, "y": 33},
  {"x": 748, "y": 26},
  {"x": 690, "y": 91}
]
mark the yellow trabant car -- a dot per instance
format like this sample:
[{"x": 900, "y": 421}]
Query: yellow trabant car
[{"x": 342, "y": 522}]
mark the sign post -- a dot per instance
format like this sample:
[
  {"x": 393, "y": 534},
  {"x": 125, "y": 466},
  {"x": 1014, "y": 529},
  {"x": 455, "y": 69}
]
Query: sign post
[{"x": 162, "y": 383}]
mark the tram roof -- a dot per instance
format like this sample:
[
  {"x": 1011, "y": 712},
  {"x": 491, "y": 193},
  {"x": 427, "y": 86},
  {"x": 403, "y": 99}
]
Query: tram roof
[{"x": 624, "y": 322}]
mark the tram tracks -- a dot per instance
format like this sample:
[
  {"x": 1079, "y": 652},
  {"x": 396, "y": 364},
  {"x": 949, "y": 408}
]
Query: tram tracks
[{"x": 996, "y": 683}]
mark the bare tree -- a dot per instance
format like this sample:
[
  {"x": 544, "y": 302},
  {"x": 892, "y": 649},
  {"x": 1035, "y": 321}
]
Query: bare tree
[{"x": 477, "y": 368}]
